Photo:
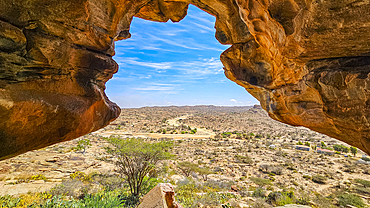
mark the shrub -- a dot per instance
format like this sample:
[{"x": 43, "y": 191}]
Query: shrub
[
  {"x": 103, "y": 199},
  {"x": 277, "y": 170},
  {"x": 365, "y": 183},
  {"x": 109, "y": 182},
  {"x": 243, "y": 159},
  {"x": 9, "y": 201},
  {"x": 219, "y": 185},
  {"x": 71, "y": 187},
  {"x": 362, "y": 190},
  {"x": 350, "y": 199},
  {"x": 80, "y": 176},
  {"x": 324, "y": 202},
  {"x": 260, "y": 181},
  {"x": 323, "y": 144},
  {"x": 187, "y": 167},
  {"x": 259, "y": 193},
  {"x": 38, "y": 177},
  {"x": 319, "y": 179},
  {"x": 341, "y": 148},
  {"x": 83, "y": 144},
  {"x": 186, "y": 194},
  {"x": 281, "y": 198}
]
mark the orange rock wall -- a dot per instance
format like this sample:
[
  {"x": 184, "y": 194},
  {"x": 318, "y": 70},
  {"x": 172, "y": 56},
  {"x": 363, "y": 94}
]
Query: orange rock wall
[{"x": 307, "y": 62}]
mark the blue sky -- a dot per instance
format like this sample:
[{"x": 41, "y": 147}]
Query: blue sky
[{"x": 165, "y": 64}]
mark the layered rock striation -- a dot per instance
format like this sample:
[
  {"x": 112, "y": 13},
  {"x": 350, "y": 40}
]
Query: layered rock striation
[{"x": 307, "y": 62}]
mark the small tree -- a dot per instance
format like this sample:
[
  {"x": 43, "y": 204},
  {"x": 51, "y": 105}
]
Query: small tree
[
  {"x": 354, "y": 151},
  {"x": 187, "y": 167},
  {"x": 136, "y": 159},
  {"x": 83, "y": 145},
  {"x": 204, "y": 172},
  {"x": 323, "y": 144}
]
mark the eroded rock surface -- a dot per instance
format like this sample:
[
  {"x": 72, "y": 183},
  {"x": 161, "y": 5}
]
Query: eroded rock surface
[
  {"x": 162, "y": 195},
  {"x": 307, "y": 62}
]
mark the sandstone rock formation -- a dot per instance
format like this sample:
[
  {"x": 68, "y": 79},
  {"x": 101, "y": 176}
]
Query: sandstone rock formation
[
  {"x": 161, "y": 196},
  {"x": 307, "y": 62}
]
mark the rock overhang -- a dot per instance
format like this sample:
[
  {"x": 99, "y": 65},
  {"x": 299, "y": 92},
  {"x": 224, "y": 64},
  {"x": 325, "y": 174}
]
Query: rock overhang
[{"x": 307, "y": 62}]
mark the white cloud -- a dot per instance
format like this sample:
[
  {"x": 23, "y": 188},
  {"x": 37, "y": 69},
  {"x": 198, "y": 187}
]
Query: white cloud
[
  {"x": 192, "y": 69},
  {"x": 153, "y": 88},
  {"x": 204, "y": 27},
  {"x": 233, "y": 100},
  {"x": 201, "y": 67},
  {"x": 135, "y": 61},
  {"x": 177, "y": 42},
  {"x": 202, "y": 19},
  {"x": 156, "y": 87}
]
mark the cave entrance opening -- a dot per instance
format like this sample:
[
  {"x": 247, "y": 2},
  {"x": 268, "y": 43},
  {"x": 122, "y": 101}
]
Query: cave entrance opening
[{"x": 165, "y": 64}]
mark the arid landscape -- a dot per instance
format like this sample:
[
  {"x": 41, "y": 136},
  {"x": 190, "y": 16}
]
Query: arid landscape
[{"x": 251, "y": 160}]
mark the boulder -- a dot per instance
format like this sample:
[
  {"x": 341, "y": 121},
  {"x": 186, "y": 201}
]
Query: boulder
[{"x": 161, "y": 196}]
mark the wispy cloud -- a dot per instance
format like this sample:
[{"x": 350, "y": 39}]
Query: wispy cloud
[
  {"x": 202, "y": 67},
  {"x": 233, "y": 100},
  {"x": 135, "y": 61},
  {"x": 178, "y": 43},
  {"x": 200, "y": 17},
  {"x": 156, "y": 87},
  {"x": 196, "y": 68},
  {"x": 204, "y": 27},
  {"x": 153, "y": 88}
]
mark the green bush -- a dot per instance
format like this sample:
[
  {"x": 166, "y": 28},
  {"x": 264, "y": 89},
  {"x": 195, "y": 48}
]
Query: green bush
[
  {"x": 109, "y": 182},
  {"x": 243, "y": 159},
  {"x": 104, "y": 199},
  {"x": 80, "y": 176},
  {"x": 365, "y": 183},
  {"x": 187, "y": 167},
  {"x": 350, "y": 199},
  {"x": 38, "y": 177},
  {"x": 362, "y": 190},
  {"x": 186, "y": 194},
  {"x": 259, "y": 193},
  {"x": 260, "y": 181},
  {"x": 9, "y": 201},
  {"x": 341, "y": 148},
  {"x": 83, "y": 145},
  {"x": 281, "y": 198}
]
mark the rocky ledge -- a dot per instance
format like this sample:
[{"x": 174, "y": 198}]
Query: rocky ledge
[{"x": 307, "y": 62}]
